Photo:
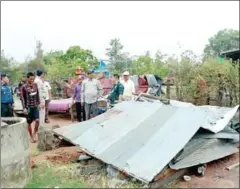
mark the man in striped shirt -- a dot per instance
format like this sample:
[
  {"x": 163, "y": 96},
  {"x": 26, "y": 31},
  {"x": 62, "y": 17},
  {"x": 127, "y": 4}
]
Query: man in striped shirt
[{"x": 31, "y": 104}]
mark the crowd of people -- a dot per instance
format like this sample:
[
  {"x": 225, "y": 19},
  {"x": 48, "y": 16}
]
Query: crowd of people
[{"x": 35, "y": 95}]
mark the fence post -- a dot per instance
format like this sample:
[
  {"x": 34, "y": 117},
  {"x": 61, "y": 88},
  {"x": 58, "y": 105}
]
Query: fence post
[{"x": 168, "y": 88}]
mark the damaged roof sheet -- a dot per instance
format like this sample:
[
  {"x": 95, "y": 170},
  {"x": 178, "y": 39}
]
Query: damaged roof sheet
[
  {"x": 217, "y": 117},
  {"x": 140, "y": 138},
  {"x": 200, "y": 150}
]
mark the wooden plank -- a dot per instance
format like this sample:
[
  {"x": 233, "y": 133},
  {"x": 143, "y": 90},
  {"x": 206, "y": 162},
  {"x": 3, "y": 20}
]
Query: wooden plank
[
  {"x": 229, "y": 168},
  {"x": 167, "y": 176}
]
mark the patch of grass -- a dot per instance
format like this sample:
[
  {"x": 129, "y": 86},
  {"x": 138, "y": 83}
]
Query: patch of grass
[
  {"x": 46, "y": 175},
  {"x": 34, "y": 151}
]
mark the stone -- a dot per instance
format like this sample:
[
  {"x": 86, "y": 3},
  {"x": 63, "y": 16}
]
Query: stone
[
  {"x": 187, "y": 178},
  {"x": 201, "y": 169},
  {"x": 47, "y": 140},
  {"x": 55, "y": 127},
  {"x": 3, "y": 124}
]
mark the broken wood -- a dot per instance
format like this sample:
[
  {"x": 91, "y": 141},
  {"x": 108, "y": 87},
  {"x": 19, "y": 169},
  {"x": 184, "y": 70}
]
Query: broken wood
[
  {"x": 229, "y": 168},
  {"x": 163, "y": 100},
  {"x": 166, "y": 177}
]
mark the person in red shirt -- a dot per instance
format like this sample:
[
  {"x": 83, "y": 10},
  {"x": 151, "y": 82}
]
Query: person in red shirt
[{"x": 31, "y": 104}]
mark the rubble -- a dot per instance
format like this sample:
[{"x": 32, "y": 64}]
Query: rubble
[
  {"x": 47, "y": 140},
  {"x": 92, "y": 167},
  {"x": 3, "y": 124}
]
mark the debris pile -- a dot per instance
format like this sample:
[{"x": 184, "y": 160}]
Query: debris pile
[{"x": 152, "y": 140}]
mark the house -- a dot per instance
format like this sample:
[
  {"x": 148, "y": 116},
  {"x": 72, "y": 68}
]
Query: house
[{"x": 231, "y": 54}]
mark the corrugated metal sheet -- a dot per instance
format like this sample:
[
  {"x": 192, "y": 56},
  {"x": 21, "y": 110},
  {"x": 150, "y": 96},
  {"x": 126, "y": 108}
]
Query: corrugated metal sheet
[
  {"x": 140, "y": 138},
  {"x": 217, "y": 117},
  {"x": 199, "y": 151},
  {"x": 226, "y": 133}
]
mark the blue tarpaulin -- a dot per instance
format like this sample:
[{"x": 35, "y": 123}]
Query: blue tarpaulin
[{"x": 102, "y": 68}]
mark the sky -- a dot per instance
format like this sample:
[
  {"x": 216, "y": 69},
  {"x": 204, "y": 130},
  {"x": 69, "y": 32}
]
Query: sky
[{"x": 169, "y": 26}]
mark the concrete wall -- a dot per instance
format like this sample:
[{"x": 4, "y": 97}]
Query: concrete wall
[{"x": 15, "y": 153}]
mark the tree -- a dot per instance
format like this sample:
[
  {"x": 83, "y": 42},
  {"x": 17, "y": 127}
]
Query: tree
[
  {"x": 117, "y": 58},
  {"x": 75, "y": 55},
  {"x": 143, "y": 65},
  {"x": 38, "y": 61},
  {"x": 160, "y": 66},
  {"x": 10, "y": 67},
  {"x": 224, "y": 40},
  {"x": 61, "y": 64},
  {"x": 188, "y": 55}
]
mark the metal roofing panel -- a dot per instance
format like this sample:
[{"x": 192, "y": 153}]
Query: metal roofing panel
[
  {"x": 226, "y": 133},
  {"x": 217, "y": 117},
  {"x": 200, "y": 151},
  {"x": 137, "y": 137}
]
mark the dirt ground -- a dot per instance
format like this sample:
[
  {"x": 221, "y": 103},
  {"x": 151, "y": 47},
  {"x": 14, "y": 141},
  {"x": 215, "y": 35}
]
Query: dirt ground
[{"x": 216, "y": 175}]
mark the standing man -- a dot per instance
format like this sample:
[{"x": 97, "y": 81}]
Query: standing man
[
  {"x": 117, "y": 90},
  {"x": 77, "y": 100},
  {"x": 42, "y": 96},
  {"x": 48, "y": 97},
  {"x": 6, "y": 97},
  {"x": 91, "y": 91},
  {"x": 31, "y": 104},
  {"x": 129, "y": 87}
]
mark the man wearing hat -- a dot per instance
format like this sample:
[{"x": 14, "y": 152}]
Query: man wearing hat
[
  {"x": 91, "y": 91},
  {"x": 129, "y": 87},
  {"x": 6, "y": 97}
]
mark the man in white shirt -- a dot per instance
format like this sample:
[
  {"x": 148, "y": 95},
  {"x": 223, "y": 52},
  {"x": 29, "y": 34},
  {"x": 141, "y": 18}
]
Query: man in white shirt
[
  {"x": 129, "y": 87},
  {"x": 42, "y": 95},
  {"x": 48, "y": 89}
]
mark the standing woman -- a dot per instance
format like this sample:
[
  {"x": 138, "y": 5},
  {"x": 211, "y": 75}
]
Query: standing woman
[{"x": 77, "y": 100}]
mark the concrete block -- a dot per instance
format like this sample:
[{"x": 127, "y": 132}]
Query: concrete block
[{"x": 15, "y": 153}]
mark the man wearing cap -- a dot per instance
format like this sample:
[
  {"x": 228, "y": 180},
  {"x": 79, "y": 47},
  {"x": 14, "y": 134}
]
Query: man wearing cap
[
  {"x": 91, "y": 91},
  {"x": 42, "y": 95},
  {"x": 129, "y": 87},
  {"x": 6, "y": 97}
]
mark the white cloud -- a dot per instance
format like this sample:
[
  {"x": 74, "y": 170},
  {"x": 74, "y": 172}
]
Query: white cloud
[{"x": 141, "y": 26}]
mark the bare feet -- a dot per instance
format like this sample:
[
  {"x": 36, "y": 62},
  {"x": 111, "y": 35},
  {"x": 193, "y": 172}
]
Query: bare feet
[
  {"x": 32, "y": 140},
  {"x": 47, "y": 121}
]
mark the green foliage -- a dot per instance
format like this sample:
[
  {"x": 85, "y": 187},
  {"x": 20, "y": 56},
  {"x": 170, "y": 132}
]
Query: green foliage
[
  {"x": 186, "y": 72},
  {"x": 48, "y": 175},
  {"x": 63, "y": 65},
  {"x": 186, "y": 78},
  {"x": 224, "y": 40},
  {"x": 119, "y": 60},
  {"x": 160, "y": 67},
  {"x": 143, "y": 65},
  {"x": 10, "y": 67}
]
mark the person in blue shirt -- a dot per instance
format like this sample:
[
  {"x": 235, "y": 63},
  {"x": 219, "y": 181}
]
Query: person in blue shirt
[{"x": 6, "y": 97}]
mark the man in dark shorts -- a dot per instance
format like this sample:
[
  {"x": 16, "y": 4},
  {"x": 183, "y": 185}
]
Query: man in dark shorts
[
  {"x": 116, "y": 93},
  {"x": 31, "y": 104}
]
